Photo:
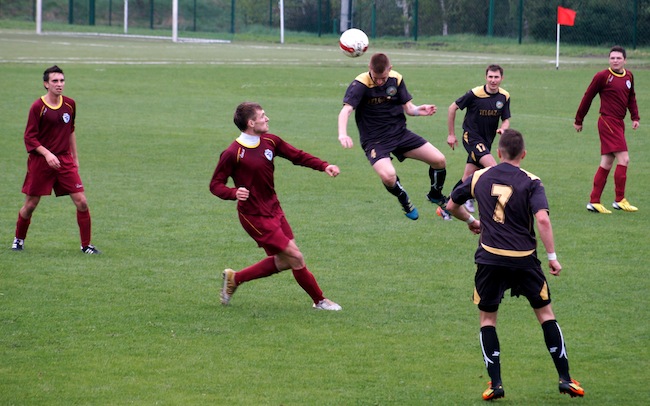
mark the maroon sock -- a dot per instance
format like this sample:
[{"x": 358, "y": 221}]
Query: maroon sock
[
  {"x": 307, "y": 281},
  {"x": 620, "y": 178},
  {"x": 262, "y": 269},
  {"x": 600, "y": 179},
  {"x": 22, "y": 225},
  {"x": 83, "y": 220}
]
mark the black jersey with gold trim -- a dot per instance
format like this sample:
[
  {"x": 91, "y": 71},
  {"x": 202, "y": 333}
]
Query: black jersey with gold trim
[
  {"x": 484, "y": 110},
  {"x": 379, "y": 111},
  {"x": 508, "y": 198}
]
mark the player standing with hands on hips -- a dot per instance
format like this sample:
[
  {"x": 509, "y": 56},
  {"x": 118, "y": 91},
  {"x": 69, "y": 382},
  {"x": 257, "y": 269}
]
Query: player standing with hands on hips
[
  {"x": 53, "y": 162},
  {"x": 381, "y": 101},
  {"x": 249, "y": 161},
  {"x": 615, "y": 86},
  {"x": 510, "y": 200},
  {"x": 485, "y": 106}
]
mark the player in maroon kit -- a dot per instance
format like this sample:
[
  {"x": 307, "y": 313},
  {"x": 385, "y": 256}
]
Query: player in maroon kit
[
  {"x": 53, "y": 162},
  {"x": 249, "y": 161},
  {"x": 616, "y": 89}
]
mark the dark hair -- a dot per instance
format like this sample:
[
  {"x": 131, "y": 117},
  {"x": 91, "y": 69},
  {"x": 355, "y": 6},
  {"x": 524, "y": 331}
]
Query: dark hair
[
  {"x": 511, "y": 144},
  {"x": 618, "y": 48},
  {"x": 244, "y": 112},
  {"x": 379, "y": 63},
  {"x": 494, "y": 68},
  {"x": 51, "y": 69}
]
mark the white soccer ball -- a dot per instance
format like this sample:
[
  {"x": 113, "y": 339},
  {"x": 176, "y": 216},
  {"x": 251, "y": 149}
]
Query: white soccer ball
[{"x": 353, "y": 42}]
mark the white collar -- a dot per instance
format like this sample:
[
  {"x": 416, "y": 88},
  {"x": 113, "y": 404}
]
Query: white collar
[{"x": 249, "y": 141}]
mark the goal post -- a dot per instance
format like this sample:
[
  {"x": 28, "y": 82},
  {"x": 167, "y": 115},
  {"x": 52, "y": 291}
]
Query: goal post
[{"x": 174, "y": 28}]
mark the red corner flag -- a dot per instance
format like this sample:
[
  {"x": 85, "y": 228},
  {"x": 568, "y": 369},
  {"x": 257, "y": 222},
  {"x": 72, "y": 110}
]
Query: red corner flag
[{"x": 565, "y": 16}]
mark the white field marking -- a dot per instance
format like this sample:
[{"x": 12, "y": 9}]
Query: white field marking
[{"x": 326, "y": 55}]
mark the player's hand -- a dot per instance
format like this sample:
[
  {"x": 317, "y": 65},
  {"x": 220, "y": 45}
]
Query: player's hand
[
  {"x": 242, "y": 194},
  {"x": 52, "y": 161},
  {"x": 346, "y": 141},
  {"x": 427, "y": 109},
  {"x": 332, "y": 170},
  {"x": 475, "y": 227},
  {"x": 452, "y": 141},
  {"x": 635, "y": 124},
  {"x": 555, "y": 267},
  {"x": 578, "y": 127}
]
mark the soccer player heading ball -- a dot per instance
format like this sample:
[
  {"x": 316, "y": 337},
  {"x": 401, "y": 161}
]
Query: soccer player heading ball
[{"x": 380, "y": 100}]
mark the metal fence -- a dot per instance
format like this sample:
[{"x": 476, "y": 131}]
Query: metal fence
[{"x": 598, "y": 22}]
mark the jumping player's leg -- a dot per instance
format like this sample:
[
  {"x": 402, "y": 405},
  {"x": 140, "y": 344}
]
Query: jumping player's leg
[
  {"x": 437, "y": 167},
  {"x": 388, "y": 175}
]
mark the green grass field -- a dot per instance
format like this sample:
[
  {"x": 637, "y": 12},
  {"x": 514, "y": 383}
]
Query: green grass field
[{"x": 142, "y": 324}]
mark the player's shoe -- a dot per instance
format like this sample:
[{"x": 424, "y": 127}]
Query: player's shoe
[
  {"x": 493, "y": 392},
  {"x": 18, "y": 244},
  {"x": 469, "y": 205},
  {"x": 597, "y": 208},
  {"x": 229, "y": 286},
  {"x": 327, "y": 304},
  {"x": 90, "y": 249},
  {"x": 410, "y": 210},
  {"x": 443, "y": 213},
  {"x": 571, "y": 387},
  {"x": 442, "y": 205},
  {"x": 624, "y": 205}
]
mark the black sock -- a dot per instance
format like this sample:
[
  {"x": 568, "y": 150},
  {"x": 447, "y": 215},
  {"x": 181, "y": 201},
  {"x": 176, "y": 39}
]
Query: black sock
[
  {"x": 437, "y": 177},
  {"x": 398, "y": 191},
  {"x": 555, "y": 344},
  {"x": 491, "y": 353}
]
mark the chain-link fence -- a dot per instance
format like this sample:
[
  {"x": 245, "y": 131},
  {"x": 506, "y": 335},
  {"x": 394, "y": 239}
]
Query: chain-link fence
[{"x": 598, "y": 22}]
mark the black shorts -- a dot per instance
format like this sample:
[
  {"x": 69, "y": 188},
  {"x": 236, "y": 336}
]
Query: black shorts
[
  {"x": 476, "y": 148},
  {"x": 398, "y": 146},
  {"x": 492, "y": 281}
]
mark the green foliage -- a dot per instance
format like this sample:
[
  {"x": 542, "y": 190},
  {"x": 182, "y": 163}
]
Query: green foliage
[{"x": 141, "y": 324}]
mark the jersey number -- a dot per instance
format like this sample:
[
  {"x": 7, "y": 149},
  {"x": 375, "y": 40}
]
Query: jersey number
[{"x": 502, "y": 193}]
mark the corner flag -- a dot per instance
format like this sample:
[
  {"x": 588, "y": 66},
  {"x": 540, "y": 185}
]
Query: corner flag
[{"x": 565, "y": 16}]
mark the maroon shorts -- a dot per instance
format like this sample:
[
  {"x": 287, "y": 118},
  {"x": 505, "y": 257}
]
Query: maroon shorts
[
  {"x": 271, "y": 233},
  {"x": 41, "y": 179},
  {"x": 612, "y": 135}
]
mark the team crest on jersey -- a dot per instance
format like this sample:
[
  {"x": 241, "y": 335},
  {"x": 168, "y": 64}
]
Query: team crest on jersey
[
  {"x": 268, "y": 154},
  {"x": 391, "y": 91},
  {"x": 66, "y": 118},
  {"x": 499, "y": 105},
  {"x": 628, "y": 84}
]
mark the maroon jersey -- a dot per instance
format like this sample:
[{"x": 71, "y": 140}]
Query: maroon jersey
[
  {"x": 252, "y": 167},
  {"x": 50, "y": 126},
  {"x": 616, "y": 95}
]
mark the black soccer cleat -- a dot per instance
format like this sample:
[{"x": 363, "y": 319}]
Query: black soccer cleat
[
  {"x": 90, "y": 249},
  {"x": 572, "y": 388},
  {"x": 494, "y": 392}
]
